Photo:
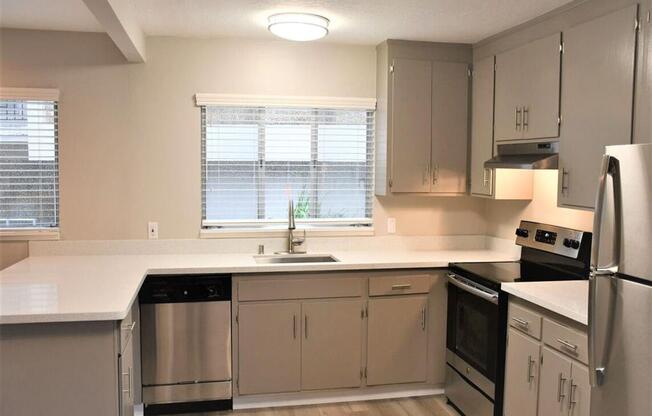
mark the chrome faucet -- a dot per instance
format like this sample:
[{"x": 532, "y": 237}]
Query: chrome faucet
[{"x": 292, "y": 240}]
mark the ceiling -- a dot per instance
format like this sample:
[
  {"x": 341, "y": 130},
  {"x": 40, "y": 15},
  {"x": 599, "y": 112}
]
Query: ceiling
[{"x": 366, "y": 22}]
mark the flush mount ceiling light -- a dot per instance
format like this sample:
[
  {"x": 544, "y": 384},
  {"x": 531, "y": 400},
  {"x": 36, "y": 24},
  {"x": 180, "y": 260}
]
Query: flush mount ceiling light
[{"x": 298, "y": 26}]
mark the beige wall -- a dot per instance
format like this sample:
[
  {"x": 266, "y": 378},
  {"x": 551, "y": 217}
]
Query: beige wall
[
  {"x": 502, "y": 217},
  {"x": 130, "y": 133}
]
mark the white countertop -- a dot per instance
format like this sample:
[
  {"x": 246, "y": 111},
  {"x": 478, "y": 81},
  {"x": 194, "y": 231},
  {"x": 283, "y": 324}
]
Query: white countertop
[
  {"x": 96, "y": 288},
  {"x": 567, "y": 298}
]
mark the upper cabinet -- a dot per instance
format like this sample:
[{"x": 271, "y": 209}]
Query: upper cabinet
[
  {"x": 597, "y": 100},
  {"x": 527, "y": 91},
  {"x": 422, "y": 118}
]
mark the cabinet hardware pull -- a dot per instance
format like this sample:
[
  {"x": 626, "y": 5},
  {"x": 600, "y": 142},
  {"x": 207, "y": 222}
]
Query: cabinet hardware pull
[
  {"x": 401, "y": 286},
  {"x": 560, "y": 388},
  {"x": 567, "y": 344},
  {"x": 435, "y": 174},
  {"x": 128, "y": 374},
  {"x": 564, "y": 187},
  {"x": 294, "y": 326},
  {"x": 423, "y": 319},
  {"x": 530, "y": 375},
  {"x": 518, "y": 118},
  {"x": 305, "y": 326},
  {"x": 571, "y": 394},
  {"x": 521, "y": 322},
  {"x": 526, "y": 118}
]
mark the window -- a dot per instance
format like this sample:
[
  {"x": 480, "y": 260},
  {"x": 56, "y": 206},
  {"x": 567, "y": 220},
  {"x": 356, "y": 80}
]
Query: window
[
  {"x": 254, "y": 158},
  {"x": 29, "y": 162}
]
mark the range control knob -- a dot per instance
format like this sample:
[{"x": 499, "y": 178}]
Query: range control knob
[
  {"x": 522, "y": 232},
  {"x": 575, "y": 244},
  {"x": 567, "y": 242}
]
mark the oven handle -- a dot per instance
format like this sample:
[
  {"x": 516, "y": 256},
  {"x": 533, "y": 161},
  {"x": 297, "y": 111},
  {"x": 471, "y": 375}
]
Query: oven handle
[{"x": 491, "y": 297}]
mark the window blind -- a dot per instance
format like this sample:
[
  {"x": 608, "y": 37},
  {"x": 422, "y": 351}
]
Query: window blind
[
  {"x": 29, "y": 164},
  {"x": 256, "y": 158}
]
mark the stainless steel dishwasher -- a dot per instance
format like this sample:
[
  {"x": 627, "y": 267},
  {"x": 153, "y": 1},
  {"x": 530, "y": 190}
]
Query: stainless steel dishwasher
[{"x": 186, "y": 343}]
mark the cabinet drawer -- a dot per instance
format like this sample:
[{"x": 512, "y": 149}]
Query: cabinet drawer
[
  {"x": 399, "y": 285},
  {"x": 566, "y": 340},
  {"x": 300, "y": 288},
  {"x": 524, "y": 320}
]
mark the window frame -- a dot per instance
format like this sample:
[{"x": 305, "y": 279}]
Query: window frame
[
  {"x": 35, "y": 233},
  {"x": 278, "y": 227}
]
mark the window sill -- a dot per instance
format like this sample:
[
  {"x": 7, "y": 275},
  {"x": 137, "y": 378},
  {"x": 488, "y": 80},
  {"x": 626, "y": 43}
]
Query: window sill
[
  {"x": 282, "y": 232},
  {"x": 30, "y": 234}
]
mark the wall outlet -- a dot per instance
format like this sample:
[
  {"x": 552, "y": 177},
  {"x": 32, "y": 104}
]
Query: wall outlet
[
  {"x": 391, "y": 225},
  {"x": 152, "y": 230}
]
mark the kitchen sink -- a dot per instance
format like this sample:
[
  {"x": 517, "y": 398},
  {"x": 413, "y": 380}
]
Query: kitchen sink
[{"x": 295, "y": 258}]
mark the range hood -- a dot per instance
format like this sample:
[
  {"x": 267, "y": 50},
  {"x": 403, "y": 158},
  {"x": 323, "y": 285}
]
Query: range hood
[{"x": 525, "y": 156}]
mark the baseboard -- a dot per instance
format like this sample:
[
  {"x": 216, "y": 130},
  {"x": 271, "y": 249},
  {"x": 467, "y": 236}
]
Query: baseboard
[{"x": 336, "y": 396}]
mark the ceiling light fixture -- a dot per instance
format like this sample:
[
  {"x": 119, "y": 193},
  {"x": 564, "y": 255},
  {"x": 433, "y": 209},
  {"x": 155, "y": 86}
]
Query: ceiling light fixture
[{"x": 298, "y": 26}]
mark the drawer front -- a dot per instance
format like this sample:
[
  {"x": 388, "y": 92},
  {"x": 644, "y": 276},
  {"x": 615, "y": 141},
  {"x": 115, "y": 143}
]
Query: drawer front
[
  {"x": 566, "y": 340},
  {"x": 399, "y": 285},
  {"x": 300, "y": 288},
  {"x": 524, "y": 320}
]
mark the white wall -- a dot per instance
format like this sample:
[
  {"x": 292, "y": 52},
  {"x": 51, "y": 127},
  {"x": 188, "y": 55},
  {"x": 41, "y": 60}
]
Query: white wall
[
  {"x": 502, "y": 217},
  {"x": 130, "y": 133}
]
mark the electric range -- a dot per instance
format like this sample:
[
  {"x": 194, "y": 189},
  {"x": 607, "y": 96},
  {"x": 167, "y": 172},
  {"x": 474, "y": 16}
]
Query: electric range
[{"x": 477, "y": 310}]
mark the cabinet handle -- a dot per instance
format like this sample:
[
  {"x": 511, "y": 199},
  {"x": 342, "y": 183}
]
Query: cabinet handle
[
  {"x": 435, "y": 174},
  {"x": 521, "y": 322},
  {"x": 571, "y": 394},
  {"x": 423, "y": 319},
  {"x": 128, "y": 374},
  {"x": 401, "y": 286},
  {"x": 526, "y": 118},
  {"x": 560, "y": 388},
  {"x": 305, "y": 326},
  {"x": 485, "y": 177},
  {"x": 530, "y": 374},
  {"x": 294, "y": 327},
  {"x": 564, "y": 187},
  {"x": 567, "y": 344},
  {"x": 518, "y": 118}
]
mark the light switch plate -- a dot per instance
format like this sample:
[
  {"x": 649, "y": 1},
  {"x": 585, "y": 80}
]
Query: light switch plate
[
  {"x": 391, "y": 225},
  {"x": 152, "y": 230}
]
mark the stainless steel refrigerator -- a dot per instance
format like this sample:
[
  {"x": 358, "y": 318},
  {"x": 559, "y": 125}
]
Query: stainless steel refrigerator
[{"x": 620, "y": 296}]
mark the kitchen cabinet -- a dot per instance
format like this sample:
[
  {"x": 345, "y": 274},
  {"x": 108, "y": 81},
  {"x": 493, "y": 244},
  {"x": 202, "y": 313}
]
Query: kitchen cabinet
[
  {"x": 331, "y": 351},
  {"x": 521, "y": 374},
  {"x": 397, "y": 340},
  {"x": 269, "y": 351},
  {"x": 561, "y": 386},
  {"x": 492, "y": 183},
  {"x": 527, "y": 91},
  {"x": 126, "y": 384},
  {"x": 597, "y": 100},
  {"x": 422, "y": 118}
]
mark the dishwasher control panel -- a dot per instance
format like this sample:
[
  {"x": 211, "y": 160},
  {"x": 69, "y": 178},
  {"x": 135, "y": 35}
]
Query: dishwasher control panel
[{"x": 185, "y": 288}]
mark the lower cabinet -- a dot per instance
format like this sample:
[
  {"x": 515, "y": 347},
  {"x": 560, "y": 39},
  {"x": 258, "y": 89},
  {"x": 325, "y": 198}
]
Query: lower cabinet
[
  {"x": 126, "y": 382},
  {"x": 397, "y": 340},
  {"x": 331, "y": 350},
  {"x": 521, "y": 375},
  {"x": 269, "y": 352},
  {"x": 546, "y": 377}
]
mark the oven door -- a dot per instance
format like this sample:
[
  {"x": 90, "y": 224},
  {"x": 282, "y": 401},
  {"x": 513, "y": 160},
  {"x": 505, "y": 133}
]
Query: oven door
[{"x": 472, "y": 330}]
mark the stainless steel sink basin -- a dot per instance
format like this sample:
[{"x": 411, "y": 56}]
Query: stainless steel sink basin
[{"x": 295, "y": 258}]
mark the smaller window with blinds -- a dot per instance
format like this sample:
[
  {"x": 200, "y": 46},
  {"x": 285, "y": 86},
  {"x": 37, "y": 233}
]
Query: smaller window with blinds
[
  {"x": 29, "y": 160},
  {"x": 256, "y": 158}
]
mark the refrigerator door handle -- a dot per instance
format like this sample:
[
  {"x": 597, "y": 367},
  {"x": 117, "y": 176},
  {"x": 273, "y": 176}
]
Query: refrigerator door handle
[{"x": 610, "y": 167}]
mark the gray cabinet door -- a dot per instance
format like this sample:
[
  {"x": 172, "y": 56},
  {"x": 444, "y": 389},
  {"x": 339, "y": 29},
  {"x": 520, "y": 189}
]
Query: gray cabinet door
[
  {"x": 521, "y": 375},
  {"x": 126, "y": 384},
  {"x": 331, "y": 352},
  {"x": 541, "y": 65},
  {"x": 397, "y": 340},
  {"x": 482, "y": 126},
  {"x": 450, "y": 118},
  {"x": 509, "y": 95},
  {"x": 555, "y": 383},
  {"x": 269, "y": 347},
  {"x": 580, "y": 391},
  {"x": 597, "y": 96},
  {"x": 411, "y": 105}
]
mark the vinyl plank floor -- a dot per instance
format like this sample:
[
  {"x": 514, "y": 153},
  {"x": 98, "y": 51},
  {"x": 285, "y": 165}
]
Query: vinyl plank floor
[{"x": 413, "y": 406}]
